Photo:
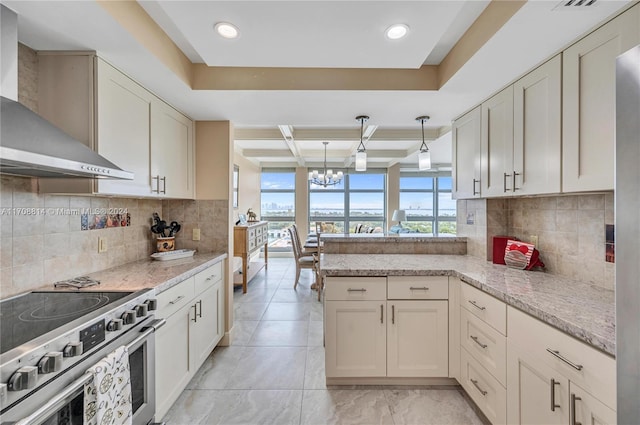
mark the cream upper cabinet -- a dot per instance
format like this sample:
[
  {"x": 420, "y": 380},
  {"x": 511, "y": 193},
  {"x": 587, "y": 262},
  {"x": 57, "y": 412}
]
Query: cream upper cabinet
[
  {"x": 496, "y": 145},
  {"x": 123, "y": 130},
  {"x": 172, "y": 152},
  {"x": 537, "y": 131},
  {"x": 588, "y": 109},
  {"x": 465, "y": 134},
  {"x": 121, "y": 120}
]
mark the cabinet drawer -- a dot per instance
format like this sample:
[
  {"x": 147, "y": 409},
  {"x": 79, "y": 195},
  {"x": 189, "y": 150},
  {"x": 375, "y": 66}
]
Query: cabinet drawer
[
  {"x": 418, "y": 287},
  {"x": 174, "y": 298},
  {"x": 485, "y": 344},
  {"x": 484, "y": 389},
  {"x": 259, "y": 230},
  {"x": 208, "y": 277},
  {"x": 251, "y": 233},
  {"x": 484, "y": 306},
  {"x": 597, "y": 373},
  {"x": 252, "y": 244},
  {"x": 355, "y": 288}
]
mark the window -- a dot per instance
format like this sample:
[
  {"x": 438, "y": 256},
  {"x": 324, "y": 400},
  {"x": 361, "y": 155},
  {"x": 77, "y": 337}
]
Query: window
[
  {"x": 426, "y": 198},
  {"x": 277, "y": 201},
  {"x": 357, "y": 199}
]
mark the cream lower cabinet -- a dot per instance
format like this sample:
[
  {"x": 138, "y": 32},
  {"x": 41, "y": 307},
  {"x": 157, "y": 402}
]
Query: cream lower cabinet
[
  {"x": 386, "y": 327},
  {"x": 553, "y": 378},
  {"x": 194, "y": 311}
]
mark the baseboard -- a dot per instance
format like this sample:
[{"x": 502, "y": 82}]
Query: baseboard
[
  {"x": 226, "y": 339},
  {"x": 392, "y": 381}
]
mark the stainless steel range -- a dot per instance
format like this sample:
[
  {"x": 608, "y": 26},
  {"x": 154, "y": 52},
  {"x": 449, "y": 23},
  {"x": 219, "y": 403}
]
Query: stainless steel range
[{"x": 49, "y": 339}]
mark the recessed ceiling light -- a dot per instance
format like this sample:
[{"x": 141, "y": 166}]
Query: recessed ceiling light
[
  {"x": 227, "y": 30},
  {"x": 394, "y": 32}
]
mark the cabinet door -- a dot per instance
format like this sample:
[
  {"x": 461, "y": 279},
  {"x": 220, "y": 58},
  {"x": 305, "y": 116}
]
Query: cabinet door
[
  {"x": 586, "y": 409},
  {"x": 537, "y": 130},
  {"x": 173, "y": 359},
  {"x": 123, "y": 131},
  {"x": 205, "y": 326},
  {"x": 588, "y": 108},
  {"x": 355, "y": 338},
  {"x": 417, "y": 340},
  {"x": 531, "y": 392},
  {"x": 172, "y": 152},
  {"x": 465, "y": 134},
  {"x": 496, "y": 145}
]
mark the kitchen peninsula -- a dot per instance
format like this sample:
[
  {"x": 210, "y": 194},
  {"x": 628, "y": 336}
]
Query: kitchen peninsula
[
  {"x": 423, "y": 319},
  {"x": 404, "y": 243}
]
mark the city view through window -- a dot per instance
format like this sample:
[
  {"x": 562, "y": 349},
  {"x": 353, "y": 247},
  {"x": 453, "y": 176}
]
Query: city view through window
[{"x": 359, "y": 199}]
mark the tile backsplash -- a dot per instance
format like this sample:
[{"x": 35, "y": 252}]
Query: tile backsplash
[
  {"x": 570, "y": 231},
  {"x": 41, "y": 240}
]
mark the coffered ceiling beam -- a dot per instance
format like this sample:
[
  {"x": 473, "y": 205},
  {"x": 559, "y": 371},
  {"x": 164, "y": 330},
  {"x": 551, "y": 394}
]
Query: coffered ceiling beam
[{"x": 287, "y": 134}]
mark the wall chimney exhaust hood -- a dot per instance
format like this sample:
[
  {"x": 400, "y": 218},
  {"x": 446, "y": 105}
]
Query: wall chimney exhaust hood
[{"x": 32, "y": 146}]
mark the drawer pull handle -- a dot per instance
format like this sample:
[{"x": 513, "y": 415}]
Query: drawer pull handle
[
  {"x": 475, "y": 383},
  {"x": 553, "y": 394},
  {"x": 381, "y": 313},
  {"x": 574, "y": 398},
  {"x": 418, "y": 288},
  {"x": 475, "y": 339},
  {"x": 195, "y": 313},
  {"x": 504, "y": 182},
  {"x": 356, "y": 290},
  {"x": 473, "y": 303},
  {"x": 393, "y": 314},
  {"x": 210, "y": 277},
  {"x": 176, "y": 300},
  {"x": 564, "y": 359},
  {"x": 474, "y": 187}
]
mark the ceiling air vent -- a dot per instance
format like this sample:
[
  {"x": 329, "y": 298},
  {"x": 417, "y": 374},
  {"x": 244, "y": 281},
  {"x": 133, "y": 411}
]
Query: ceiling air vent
[{"x": 574, "y": 4}]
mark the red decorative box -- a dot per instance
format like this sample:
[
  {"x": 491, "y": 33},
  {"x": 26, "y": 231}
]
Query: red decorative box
[{"x": 499, "y": 245}]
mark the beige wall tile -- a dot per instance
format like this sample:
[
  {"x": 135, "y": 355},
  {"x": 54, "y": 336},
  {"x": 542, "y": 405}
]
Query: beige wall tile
[
  {"x": 567, "y": 202},
  {"x": 28, "y": 276},
  {"x": 591, "y": 221},
  {"x": 6, "y": 191},
  {"x": 25, "y": 224},
  {"x": 591, "y": 202},
  {"x": 567, "y": 220},
  {"x": 27, "y": 250},
  {"x": 6, "y": 283},
  {"x": 6, "y": 253},
  {"x": 6, "y": 226},
  {"x": 25, "y": 193},
  {"x": 55, "y": 245}
]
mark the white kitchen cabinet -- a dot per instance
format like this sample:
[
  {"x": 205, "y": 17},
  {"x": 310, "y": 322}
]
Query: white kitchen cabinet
[
  {"x": 537, "y": 131},
  {"x": 488, "y": 394},
  {"x": 194, "y": 311},
  {"x": 417, "y": 342},
  {"x": 121, "y": 120},
  {"x": 371, "y": 334},
  {"x": 538, "y": 353},
  {"x": 355, "y": 339},
  {"x": 496, "y": 145},
  {"x": 588, "y": 108},
  {"x": 537, "y": 393},
  {"x": 586, "y": 409},
  {"x": 172, "y": 152},
  {"x": 465, "y": 139}
]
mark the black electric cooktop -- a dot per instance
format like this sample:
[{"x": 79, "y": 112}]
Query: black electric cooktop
[{"x": 34, "y": 314}]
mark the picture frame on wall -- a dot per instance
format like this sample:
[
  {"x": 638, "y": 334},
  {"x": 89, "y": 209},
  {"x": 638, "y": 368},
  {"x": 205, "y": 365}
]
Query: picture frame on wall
[{"x": 236, "y": 179}]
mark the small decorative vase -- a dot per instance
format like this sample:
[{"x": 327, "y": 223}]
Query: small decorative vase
[{"x": 166, "y": 244}]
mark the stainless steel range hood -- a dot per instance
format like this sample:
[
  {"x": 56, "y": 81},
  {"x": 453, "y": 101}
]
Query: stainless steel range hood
[
  {"x": 32, "y": 146},
  {"x": 29, "y": 144}
]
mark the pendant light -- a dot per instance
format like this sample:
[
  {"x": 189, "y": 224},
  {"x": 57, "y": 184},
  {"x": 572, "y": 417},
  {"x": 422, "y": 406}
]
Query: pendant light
[
  {"x": 327, "y": 178},
  {"x": 424, "y": 157},
  {"x": 361, "y": 154}
]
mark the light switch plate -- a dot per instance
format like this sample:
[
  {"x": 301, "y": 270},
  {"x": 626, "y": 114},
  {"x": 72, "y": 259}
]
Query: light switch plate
[
  {"x": 102, "y": 245},
  {"x": 196, "y": 234}
]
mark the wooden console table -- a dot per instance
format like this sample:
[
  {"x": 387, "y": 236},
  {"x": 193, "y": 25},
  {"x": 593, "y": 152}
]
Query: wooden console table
[{"x": 247, "y": 239}]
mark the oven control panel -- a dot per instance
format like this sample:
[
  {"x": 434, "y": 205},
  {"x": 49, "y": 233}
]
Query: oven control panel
[{"x": 22, "y": 374}]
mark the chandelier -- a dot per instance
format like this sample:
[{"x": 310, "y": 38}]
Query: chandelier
[{"x": 326, "y": 178}]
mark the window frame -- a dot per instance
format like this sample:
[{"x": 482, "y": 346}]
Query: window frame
[
  {"x": 279, "y": 219},
  {"x": 435, "y": 219}
]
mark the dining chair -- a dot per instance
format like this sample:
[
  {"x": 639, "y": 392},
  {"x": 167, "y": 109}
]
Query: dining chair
[{"x": 303, "y": 261}]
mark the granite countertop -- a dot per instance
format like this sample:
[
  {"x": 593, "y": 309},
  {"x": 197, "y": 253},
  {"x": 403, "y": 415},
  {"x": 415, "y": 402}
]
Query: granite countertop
[
  {"x": 145, "y": 274},
  {"x": 584, "y": 311},
  {"x": 391, "y": 237}
]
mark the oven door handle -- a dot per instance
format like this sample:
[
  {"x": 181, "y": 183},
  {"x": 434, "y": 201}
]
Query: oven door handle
[{"x": 66, "y": 395}]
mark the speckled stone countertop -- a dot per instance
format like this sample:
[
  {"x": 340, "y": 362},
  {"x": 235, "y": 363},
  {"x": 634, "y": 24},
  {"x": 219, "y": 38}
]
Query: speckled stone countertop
[
  {"x": 160, "y": 275},
  {"x": 584, "y": 311},
  {"x": 389, "y": 238}
]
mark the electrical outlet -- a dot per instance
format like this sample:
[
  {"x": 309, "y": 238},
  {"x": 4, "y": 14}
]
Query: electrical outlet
[
  {"x": 196, "y": 235},
  {"x": 533, "y": 239},
  {"x": 102, "y": 245}
]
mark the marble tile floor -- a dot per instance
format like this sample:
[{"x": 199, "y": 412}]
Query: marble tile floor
[{"x": 273, "y": 373}]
